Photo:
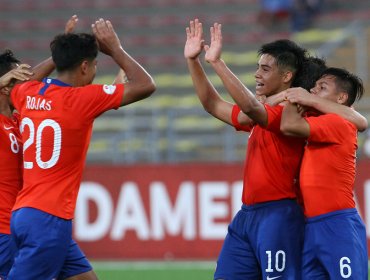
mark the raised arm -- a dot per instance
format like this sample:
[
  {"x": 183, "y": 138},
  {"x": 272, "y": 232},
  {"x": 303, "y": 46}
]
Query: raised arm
[
  {"x": 243, "y": 97},
  {"x": 139, "y": 83},
  {"x": 211, "y": 100},
  {"x": 292, "y": 122},
  {"x": 303, "y": 97},
  {"x": 44, "y": 68}
]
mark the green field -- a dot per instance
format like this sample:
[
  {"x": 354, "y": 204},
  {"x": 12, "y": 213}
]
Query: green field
[{"x": 154, "y": 270}]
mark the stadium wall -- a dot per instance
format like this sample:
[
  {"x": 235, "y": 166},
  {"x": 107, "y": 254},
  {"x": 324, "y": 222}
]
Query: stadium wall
[{"x": 167, "y": 212}]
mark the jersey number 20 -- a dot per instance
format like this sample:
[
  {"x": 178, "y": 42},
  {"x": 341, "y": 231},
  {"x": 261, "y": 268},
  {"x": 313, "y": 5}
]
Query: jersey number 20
[{"x": 37, "y": 131}]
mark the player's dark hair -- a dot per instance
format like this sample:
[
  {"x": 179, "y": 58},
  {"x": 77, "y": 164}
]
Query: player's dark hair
[
  {"x": 288, "y": 55},
  {"x": 7, "y": 62},
  {"x": 347, "y": 82},
  {"x": 69, "y": 50},
  {"x": 311, "y": 70}
]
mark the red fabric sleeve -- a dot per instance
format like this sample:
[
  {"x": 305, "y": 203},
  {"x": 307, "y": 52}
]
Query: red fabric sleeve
[
  {"x": 273, "y": 117},
  {"x": 328, "y": 128},
  {"x": 234, "y": 119},
  {"x": 94, "y": 100}
]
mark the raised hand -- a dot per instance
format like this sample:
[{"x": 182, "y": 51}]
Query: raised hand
[
  {"x": 21, "y": 73},
  {"x": 194, "y": 39},
  {"x": 106, "y": 36},
  {"x": 213, "y": 52},
  {"x": 71, "y": 24}
]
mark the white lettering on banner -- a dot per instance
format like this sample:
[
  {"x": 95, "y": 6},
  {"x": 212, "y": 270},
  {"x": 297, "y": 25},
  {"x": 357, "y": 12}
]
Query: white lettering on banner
[
  {"x": 130, "y": 214},
  {"x": 367, "y": 205},
  {"x": 176, "y": 218},
  {"x": 92, "y": 231},
  {"x": 210, "y": 209},
  {"x": 164, "y": 217}
]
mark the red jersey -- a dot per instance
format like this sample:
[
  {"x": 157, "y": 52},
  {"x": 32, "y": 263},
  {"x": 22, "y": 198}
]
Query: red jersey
[
  {"x": 272, "y": 161},
  {"x": 56, "y": 125},
  {"x": 10, "y": 168},
  {"x": 328, "y": 167}
]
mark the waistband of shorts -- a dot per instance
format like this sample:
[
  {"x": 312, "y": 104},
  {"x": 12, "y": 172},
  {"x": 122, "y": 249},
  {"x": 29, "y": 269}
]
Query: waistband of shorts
[
  {"x": 332, "y": 214},
  {"x": 281, "y": 202}
]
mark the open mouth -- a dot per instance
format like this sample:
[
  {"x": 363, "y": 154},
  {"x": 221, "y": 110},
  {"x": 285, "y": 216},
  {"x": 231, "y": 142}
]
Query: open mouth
[{"x": 259, "y": 85}]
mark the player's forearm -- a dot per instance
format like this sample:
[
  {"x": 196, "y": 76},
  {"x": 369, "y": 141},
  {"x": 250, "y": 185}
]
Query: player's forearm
[
  {"x": 275, "y": 99},
  {"x": 121, "y": 78},
  {"x": 327, "y": 106},
  {"x": 242, "y": 96},
  {"x": 43, "y": 69},
  {"x": 292, "y": 123},
  {"x": 202, "y": 85},
  {"x": 134, "y": 72}
]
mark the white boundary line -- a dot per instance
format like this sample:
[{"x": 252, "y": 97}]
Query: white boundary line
[{"x": 150, "y": 265}]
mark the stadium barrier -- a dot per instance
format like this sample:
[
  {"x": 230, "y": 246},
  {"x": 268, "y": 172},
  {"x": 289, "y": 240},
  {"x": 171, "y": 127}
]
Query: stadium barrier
[{"x": 167, "y": 212}]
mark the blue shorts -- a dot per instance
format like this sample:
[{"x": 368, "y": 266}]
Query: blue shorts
[
  {"x": 45, "y": 247},
  {"x": 7, "y": 253},
  {"x": 335, "y": 247},
  {"x": 263, "y": 241}
]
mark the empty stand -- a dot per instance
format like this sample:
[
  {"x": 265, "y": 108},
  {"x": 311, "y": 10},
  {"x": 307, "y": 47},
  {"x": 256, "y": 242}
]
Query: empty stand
[{"x": 172, "y": 126}]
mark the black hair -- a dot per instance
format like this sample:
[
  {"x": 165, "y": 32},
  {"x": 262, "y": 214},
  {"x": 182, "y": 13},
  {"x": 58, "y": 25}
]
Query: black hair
[
  {"x": 7, "y": 62},
  {"x": 69, "y": 50},
  {"x": 347, "y": 82},
  {"x": 288, "y": 55},
  {"x": 311, "y": 70}
]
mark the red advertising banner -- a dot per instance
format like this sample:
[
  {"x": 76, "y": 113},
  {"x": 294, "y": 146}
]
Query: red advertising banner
[{"x": 166, "y": 211}]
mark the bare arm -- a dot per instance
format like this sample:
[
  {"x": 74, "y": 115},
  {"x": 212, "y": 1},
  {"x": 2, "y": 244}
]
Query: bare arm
[
  {"x": 242, "y": 96},
  {"x": 301, "y": 96},
  {"x": 121, "y": 78},
  {"x": 211, "y": 100},
  {"x": 140, "y": 84},
  {"x": 21, "y": 73},
  {"x": 292, "y": 122}
]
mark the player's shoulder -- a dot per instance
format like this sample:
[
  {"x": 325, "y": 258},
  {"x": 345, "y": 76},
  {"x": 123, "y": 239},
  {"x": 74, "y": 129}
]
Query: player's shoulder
[
  {"x": 26, "y": 85},
  {"x": 274, "y": 108}
]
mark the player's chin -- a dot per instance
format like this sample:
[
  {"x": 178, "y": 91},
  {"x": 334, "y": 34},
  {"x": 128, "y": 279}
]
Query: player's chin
[{"x": 260, "y": 94}]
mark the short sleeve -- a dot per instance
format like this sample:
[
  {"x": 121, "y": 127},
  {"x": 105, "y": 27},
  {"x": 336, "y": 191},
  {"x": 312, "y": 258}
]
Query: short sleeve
[
  {"x": 93, "y": 100},
  {"x": 329, "y": 128},
  {"x": 274, "y": 114},
  {"x": 234, "y": 118}
]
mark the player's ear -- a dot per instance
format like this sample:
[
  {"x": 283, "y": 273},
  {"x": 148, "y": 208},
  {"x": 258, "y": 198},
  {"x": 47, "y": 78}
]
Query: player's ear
[
  {"x": 5, "y": 91},
  {"x": 84, "y": 67},
  {"x": 288, "y": 76},
  {"x": 342, "y": 97}
]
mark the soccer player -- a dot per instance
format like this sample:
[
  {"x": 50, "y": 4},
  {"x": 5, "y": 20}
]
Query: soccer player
[
  {"x": 56, "y": 125},
  {"x": 335, "y": 244},
  {"x": 11, "y": 155},
  {"x": 11, "y": 145},
  {"x": 265, "y": 238}
]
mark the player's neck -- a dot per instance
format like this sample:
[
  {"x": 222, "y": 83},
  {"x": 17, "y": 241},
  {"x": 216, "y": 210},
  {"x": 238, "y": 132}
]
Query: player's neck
[
  {"x": 5, "y": 109},
  {"x": 70, "y": 78}
]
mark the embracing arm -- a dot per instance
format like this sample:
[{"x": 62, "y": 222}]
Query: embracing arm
[
  {"x": 292, "y": 122},
  {"x": 348, "y": 113},
  {"x": 303, "y": 97}
]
